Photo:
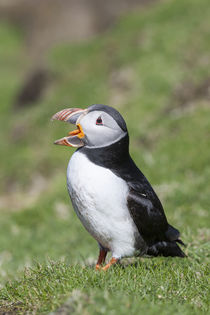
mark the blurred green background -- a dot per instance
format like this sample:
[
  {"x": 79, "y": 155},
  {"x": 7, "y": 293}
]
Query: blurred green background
[{"x": 148, "y": 59}]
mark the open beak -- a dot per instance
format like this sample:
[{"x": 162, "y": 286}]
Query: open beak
[{"x": 73, "y": 116}]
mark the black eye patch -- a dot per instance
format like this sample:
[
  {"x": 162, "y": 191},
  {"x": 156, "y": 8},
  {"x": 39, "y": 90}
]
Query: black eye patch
[{"x": 99, "y": 121}]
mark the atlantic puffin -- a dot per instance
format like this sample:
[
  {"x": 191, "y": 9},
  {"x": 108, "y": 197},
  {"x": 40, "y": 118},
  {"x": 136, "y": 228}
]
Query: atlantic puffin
[{"x": 110, "y": 195}]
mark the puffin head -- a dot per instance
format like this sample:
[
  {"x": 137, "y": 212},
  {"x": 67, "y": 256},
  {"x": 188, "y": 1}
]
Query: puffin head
[{"x": 97, "y": 126}]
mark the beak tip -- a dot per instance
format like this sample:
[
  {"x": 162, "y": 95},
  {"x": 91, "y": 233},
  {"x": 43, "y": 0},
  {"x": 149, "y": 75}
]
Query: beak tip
[
  {"x": 58, "y": 141},
  {"x": 54, "y": 117}
]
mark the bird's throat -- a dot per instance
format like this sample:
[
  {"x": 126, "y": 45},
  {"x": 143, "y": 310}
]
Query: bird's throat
[{"x": 111, "y": 156}]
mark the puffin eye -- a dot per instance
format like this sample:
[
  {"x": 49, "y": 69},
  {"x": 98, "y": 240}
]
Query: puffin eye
[{"x": 99, "y": 121}]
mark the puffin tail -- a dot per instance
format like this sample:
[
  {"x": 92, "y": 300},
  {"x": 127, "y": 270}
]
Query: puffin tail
[{"x": 166, "y": 249}]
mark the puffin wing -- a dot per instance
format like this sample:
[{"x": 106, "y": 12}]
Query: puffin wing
[
  {"x": 147, "y": 211},
  {"x": 145, "y": 207}
]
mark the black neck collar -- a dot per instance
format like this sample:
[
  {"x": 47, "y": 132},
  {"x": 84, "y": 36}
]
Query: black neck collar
[{"x": 111, "y": 156}]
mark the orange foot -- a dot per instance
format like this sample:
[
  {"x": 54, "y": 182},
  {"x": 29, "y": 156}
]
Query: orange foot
[
  {"x": 98, "y": 267},
  {"x": 112, "y": 262}
]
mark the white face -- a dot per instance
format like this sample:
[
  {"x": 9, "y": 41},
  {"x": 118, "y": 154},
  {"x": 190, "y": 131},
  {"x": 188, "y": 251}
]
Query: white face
[{"x": 100, "y": 129}]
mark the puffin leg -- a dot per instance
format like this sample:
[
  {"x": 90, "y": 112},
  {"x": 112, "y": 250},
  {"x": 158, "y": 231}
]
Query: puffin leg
[
  {"x": 101, "y": 258},
  {"x": 111, "y": 262}
]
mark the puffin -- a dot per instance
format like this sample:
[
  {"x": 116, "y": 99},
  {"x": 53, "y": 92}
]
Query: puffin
[{"x": 110, "y": 195}]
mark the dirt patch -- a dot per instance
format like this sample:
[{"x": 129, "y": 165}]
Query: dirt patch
[
  {"x": 13, "y": 309},
  {"x": 32, "y": 88},
  {"x": 18, "y": 199},
  {"x": 186, "y": 95},
  {"x": 121, "y": 84}
]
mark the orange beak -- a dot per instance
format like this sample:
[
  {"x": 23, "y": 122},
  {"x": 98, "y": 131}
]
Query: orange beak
[
  {"x": 78, "y": 132},
  {"x": 71, "y": 115}
]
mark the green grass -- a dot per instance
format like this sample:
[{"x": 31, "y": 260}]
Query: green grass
[
  {"x": 159, "y": 285},
  {"x": 141, "y": 67}
]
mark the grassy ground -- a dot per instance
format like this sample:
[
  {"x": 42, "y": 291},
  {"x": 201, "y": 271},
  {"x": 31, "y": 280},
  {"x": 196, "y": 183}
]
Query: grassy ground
[{"x": 154, "y": 66}]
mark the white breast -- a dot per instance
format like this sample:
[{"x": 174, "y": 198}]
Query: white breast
[{"x": 99, "y": 198}]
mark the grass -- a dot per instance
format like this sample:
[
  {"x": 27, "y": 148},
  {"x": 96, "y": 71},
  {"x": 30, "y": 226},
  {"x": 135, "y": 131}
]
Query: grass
[
  {"x": 143, "y": 67},
  {"x": 159, "y": 284}
]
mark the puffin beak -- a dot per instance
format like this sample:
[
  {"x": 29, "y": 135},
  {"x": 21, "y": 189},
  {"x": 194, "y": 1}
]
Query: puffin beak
[{"x": 73, "y": 116}]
